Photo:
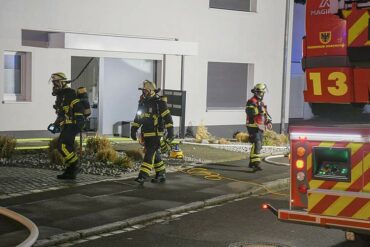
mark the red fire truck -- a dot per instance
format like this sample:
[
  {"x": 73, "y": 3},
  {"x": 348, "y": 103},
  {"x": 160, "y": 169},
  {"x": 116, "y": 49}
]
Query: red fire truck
[
  {"x": 330, "y": 166},
  {"x": 330, "y": 178},
  {"x": 336, "y": 55}
]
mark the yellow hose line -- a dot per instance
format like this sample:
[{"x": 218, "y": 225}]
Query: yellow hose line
[
  {"x": 32, "y": 148},
  {"x": 216, "y": 177}
]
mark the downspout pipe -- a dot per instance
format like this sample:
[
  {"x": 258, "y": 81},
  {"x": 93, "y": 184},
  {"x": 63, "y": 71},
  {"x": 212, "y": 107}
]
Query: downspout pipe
[{"x": 285, "y": 66}]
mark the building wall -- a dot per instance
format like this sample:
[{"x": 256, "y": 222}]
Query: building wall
[{"x": 222, "y": 35}]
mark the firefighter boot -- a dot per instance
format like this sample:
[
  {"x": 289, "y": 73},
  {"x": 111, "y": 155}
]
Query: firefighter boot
[
  {"x": 71, "y": 171},
  {"x": 67, "y": 174},
  {"x": 160, "y": 177},
  {"x": 255, "y": 166},
  {"x": 141, "y": 178}
]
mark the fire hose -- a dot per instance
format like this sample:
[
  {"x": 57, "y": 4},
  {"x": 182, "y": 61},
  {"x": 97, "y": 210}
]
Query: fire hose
[{"x": 32, "y": 228}]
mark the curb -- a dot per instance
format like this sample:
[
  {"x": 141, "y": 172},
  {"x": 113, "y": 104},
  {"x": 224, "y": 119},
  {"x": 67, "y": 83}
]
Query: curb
[{"x": 276, "y": 185}]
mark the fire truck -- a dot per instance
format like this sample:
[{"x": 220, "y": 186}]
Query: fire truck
[
  {"x": 330, "y": 165},
  {"x": 336, "y": 55},
  {"x": 330, "y": 178}
]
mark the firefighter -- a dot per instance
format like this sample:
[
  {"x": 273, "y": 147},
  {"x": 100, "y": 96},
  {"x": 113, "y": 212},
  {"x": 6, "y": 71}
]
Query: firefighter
[
  {"x": 69, "y": 122},
  {"x": 153, "y": 117},
  {"x": 257, "y": 121}
]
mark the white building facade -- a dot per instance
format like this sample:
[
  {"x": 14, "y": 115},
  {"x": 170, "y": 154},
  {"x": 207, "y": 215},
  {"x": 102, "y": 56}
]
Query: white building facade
[{"x": 215, "y": 50}]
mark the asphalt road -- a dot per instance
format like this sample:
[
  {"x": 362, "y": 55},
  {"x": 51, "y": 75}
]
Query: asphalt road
[{"x": 240, "y": 223}]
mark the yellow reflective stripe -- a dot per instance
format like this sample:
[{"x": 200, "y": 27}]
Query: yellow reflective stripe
[
  {"x": 255, "y": 159},
  {"x": 65, "y": 151},
  {"x": 313, "y": 199},
  {"x": 74, "y": 102},
  {"x": 147, "y": 165},
  {"x": 146, "y": 115},
  {"x": 165, "y": 112},
  {"x": 149, "y": 134},
  {"x": 339, "y": 204},
  {"x": 168, "y": 125},
  {"x": 134, "y": 124},
  {"x": 78, "y": 114},
  {"x": 158, "y": 164},
  {"x": 73, "y": 160},
  {"x": 65, "y": 108},
  {"x": 68, "y": 121},
  {"x": 143, "y": 169},
  {"x": 158, "y": 169},
  {"x": 363, "y": 213},
  {"x": 358, "y": 27},
  {"x": 155, "y": 118}
]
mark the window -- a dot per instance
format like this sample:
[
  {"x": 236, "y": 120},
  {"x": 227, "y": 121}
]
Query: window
[
  {"x": 227, "y": 85},
  {"x": 332, "y": 163},
  {"x": 239, "y": 5},
  {"x": 17, "y": 76}
]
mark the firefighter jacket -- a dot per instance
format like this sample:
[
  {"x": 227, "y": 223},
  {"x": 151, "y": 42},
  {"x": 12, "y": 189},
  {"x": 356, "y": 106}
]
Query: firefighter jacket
[
  {"x": 153, "y": 116},
  {"x": 257, "y": 115},
  {"x": 69, "y": 109}
]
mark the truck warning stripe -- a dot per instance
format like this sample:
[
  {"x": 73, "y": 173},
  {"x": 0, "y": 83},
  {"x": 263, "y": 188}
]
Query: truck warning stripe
[
  {"x": 322, "y": 205},
  {"x": 354, "y": 206},
  {"x": 364, "y": 212},
  {"x": 358, "y": 26},
  {"x": 338, "y": 206}
]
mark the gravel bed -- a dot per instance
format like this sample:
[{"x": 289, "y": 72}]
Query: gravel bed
[
  {"x": 88, "y": 164},
  {"x": 243, "y": 147}
]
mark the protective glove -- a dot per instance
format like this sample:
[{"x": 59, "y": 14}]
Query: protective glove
[
  {"x": 170, "y": 134},
  {"x": 133, "y": 133},
  {"x": 53, "y": 128}
]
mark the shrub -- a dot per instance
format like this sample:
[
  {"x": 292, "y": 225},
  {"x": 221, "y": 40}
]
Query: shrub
[
  {"x": 271, "y": 138},
  {"x": 106, "y": 155},
  {"x": 136, "y": 155},
  {"x": 7, "y": 146},
  {"x": 124, "y": 161},
  {"x": 202, "y": 132},
  {"x": 223, "y": 141},
  {"x": 241, "y": 136},
  {"x": 96, "y": 143}
]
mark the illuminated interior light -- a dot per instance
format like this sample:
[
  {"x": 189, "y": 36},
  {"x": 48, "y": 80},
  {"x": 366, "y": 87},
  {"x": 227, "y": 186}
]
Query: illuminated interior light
[
  {"x": 264, "y": 206},
  {"x": 139, "y": 112},
  {"x": 299, "y": 164},
  {"x": 329, "y": 137},
  {"x": 301, "y": 151}
]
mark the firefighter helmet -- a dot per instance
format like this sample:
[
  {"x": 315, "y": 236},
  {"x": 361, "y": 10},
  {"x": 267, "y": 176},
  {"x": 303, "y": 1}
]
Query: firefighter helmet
[
  {"x": 59, "y": 81},
  {"x": 149, "y": 88},
  {"x": 259, "y": 90}
]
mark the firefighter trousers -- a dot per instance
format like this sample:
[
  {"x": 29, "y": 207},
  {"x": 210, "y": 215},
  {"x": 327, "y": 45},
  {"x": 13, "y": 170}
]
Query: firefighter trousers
[
  {"x": 152, "y": 157},
  {"x": 255, "y": 137},
  {"x": 66, "y": 144}
]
